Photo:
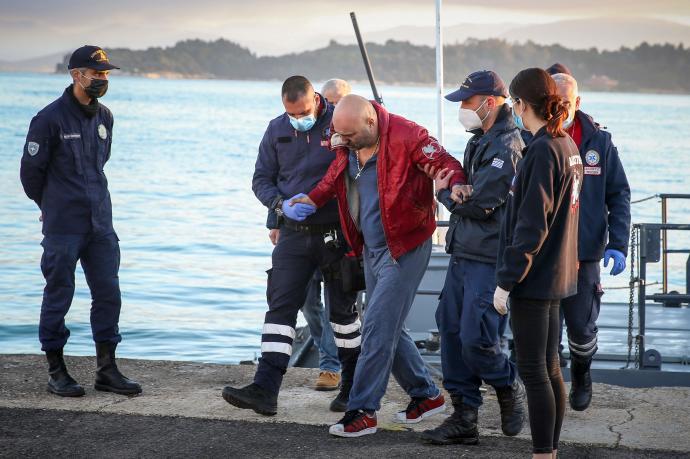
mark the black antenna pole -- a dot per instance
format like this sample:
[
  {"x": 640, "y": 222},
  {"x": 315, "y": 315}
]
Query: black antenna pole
[{"x": 365, "y": 58}]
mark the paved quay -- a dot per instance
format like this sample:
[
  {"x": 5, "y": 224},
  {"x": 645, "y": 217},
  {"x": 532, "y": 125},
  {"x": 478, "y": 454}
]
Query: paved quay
[{"x": 181, "y": 413}]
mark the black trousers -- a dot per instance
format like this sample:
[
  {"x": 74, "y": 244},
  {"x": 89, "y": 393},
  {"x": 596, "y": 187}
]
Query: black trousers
[
  {"x": 581, "y": 312},
  {"x": 535, "y": 326},
  {"x": 295, "y": 258}
]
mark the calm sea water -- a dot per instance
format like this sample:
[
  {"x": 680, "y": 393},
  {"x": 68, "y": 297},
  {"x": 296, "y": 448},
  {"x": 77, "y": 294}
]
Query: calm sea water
[{"x": 194, "y": 245}]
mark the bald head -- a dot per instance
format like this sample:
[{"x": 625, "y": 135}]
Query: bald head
[
  {"x": 355, "y": 120},
  {"x": 567, "y": 88},
  {"x": 335, "y": 89}
]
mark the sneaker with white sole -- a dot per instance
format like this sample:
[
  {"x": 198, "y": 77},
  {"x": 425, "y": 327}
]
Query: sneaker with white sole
[
  {"x": 421, "y": 408},
  {"x": 355, "y": 423}
]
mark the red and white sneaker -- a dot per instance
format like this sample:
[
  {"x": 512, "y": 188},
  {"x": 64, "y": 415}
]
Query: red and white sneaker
[
  {"x": 421, "y": 408},
  {"x": 355, "y": 423}
]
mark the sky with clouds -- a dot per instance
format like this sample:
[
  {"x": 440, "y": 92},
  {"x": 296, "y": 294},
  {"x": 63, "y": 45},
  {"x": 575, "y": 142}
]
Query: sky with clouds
[{"x": 31, "y": 28}]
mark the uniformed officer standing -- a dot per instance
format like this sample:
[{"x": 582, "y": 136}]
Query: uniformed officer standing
[
  {"x": 469, "y": 325},
  {"x": 294, "y": 156},
  {"x": 62, "y": 171},
  {"x": 604, "y": 231}
]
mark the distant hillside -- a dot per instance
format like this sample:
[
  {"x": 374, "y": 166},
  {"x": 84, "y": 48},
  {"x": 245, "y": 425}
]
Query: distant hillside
[
  {"x": 649, "y": 68},
  {"x": 604, "y": 33}
]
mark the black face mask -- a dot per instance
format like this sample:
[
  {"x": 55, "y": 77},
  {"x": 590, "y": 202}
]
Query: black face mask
[{"x": 97, "y": 88}]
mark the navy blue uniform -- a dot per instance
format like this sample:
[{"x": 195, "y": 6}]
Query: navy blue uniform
[
  {"x": 469, "y": 325},
  {"x": 604, "y": 224},
  {"x": 62, "y": 171},
  {"x": 291, "y": 162}
]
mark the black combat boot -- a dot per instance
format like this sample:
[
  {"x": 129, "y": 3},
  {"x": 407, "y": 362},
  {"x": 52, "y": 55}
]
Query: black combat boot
[
  {"x": 348, "y": 363},
  {"x": 580, "y": 383},
  {"x": 458, "y": 428},
  {"x": 59, "y": 381},
  {"x": 511, "y": 399},
  {"x": 252, "y": 397},
  {"x": 108, "y": 377},
  {"x": 339, "y": 403}
]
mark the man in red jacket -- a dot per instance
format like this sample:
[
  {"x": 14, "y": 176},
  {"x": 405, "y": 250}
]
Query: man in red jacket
[{"x": 386, "y": 206}]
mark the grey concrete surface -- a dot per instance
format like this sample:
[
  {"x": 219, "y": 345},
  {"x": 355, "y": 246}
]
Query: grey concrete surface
[{"x": 650, "y": 420}]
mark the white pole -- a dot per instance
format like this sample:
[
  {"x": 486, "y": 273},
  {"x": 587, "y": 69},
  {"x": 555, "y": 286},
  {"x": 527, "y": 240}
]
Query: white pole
[
  {"x": 439, "y": 100},
  {"x": 439, "y": 73}
]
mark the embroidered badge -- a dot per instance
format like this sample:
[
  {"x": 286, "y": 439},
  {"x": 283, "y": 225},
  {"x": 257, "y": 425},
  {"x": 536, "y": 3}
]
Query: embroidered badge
[
  {"x": 32, "y": 148},
  {"x": 592, "y": 170},
  {"x": 431, "y": 149},
  {"x": 592, "y": 157},
  {"x": 497, "y": 163},
  {"x": 102, "y": 132},
  {"x": 71, "y": 136}
]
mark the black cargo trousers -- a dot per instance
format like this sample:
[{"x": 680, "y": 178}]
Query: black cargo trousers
[{"x": 301, "y": 249}]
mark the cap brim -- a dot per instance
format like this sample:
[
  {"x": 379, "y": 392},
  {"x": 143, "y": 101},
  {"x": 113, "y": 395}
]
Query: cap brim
[
  {"x": 459, "y": 95},
  {"x": 104, "y": 66}
]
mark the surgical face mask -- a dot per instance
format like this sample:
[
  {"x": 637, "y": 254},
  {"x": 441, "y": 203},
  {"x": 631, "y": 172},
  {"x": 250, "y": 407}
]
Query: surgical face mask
[
  {"x": 518, "y": 120},
  {"x": 470, "y": 120},
  {"x": 96, "y": 89},
  {"x": 304, "y": 123}
]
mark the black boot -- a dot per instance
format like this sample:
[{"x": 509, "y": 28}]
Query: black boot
[
  {"x": 580, "y": 383},
  {"x": 348, "y": 363},
  {"x": 59, "y": 381},
  {"x": 108, "y": 377},
  {"x": 253, "y": 397},
  {"x": 511, "y": 399},
  {"x": 339, "y": 403},
  {"x": 458, "y": 428}
]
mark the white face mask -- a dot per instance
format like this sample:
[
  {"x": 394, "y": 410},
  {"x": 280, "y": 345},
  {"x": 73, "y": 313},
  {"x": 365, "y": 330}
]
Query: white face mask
[{"x": 470, "y": 119}]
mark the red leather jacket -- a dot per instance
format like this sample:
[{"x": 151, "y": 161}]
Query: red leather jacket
[{"x": 406, "y": 194}]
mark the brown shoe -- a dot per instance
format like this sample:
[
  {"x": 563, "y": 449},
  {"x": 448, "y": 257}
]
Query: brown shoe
[{"x": 327, "y": 380}]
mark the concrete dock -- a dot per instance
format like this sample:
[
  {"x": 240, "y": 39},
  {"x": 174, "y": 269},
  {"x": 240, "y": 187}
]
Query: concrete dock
[{"x": 181, "y": 413}]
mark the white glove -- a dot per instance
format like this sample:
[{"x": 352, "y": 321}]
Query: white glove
[{"x": 501, "y": 301}]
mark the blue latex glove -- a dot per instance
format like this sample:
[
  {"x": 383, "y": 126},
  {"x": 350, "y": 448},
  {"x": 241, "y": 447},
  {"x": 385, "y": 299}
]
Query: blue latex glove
[
  {"x": 297, "y": 211},
  {"x": 618, "y": 261}
]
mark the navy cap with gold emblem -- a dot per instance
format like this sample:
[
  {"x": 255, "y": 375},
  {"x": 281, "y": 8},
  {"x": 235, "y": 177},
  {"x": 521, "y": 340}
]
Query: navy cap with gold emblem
[
  {"x": 90, "y": 57},
  {"x": 483, "y": 82}
]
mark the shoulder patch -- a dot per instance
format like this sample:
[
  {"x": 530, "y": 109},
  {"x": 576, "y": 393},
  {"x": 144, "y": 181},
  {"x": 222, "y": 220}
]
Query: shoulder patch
[
  {"x": 32, "y": 148},
  {"x": 431, "y": 149},
  {"x": 102, "y": 132}
]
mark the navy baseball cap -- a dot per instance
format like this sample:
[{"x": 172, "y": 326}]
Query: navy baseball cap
[
  {"x": 483, "y": 82},
  {"x": 558, "y": 68},
  {"x": 90, "y": 57}
]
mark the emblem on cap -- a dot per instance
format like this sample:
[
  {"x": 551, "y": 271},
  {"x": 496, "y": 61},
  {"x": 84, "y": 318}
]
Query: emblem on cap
[
  {"x": 99, "y": 56},
  {"x": 102, "y": 132},
  {"x": 592, "y": 158},
  {"x": 32, "y": 148}
]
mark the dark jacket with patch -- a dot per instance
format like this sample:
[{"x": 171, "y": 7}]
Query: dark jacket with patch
[
  {"x": 605, "y": 197},
  {"x": 538, "y": 244},
  {"x": 292, "y": 162},
  {"x": 489, "y": 161},
  {"x": 62, "y": 167}
]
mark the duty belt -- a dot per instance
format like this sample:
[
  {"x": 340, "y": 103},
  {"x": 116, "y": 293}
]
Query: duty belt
[{"x": 311, "y": 229}]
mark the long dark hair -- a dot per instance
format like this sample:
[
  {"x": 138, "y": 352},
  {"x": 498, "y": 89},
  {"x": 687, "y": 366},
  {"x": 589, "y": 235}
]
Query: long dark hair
[{"x": 536, "y": 87}]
